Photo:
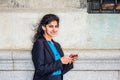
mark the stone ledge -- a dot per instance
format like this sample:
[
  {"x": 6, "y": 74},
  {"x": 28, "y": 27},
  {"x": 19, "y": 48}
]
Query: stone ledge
[
  {"x": 5, "y": 54},
  {"x": 95, "y": 54},
  {"x": 98, "y": 65},
  {"x": 23, "y": 65},
  {"x": 87, "y": 60},
  {"x": 83, "y": 54},
  {"x": 21, "y": 55},
  {"x": 6, "y": 65},
  {"x": 80, "y": 65}
]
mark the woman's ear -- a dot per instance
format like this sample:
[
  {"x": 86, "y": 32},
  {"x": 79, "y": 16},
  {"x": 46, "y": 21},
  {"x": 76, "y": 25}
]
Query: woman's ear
[{"x": 43, "y": 28}]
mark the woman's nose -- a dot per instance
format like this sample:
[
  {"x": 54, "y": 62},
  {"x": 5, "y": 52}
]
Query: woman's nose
[{"x": 55, "y": 29}]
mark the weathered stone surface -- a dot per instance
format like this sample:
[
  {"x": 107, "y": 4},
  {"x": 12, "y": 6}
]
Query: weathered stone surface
[
  {"x": 73, "y": 75},
  {"x": 97, "y": 65},
  {"x": 6, "y": 65},
  {"x": 14, "y": 3},
  {"x": 89, "y": 32},
  {"x": 87, "y": 60},
  {"x": 118, "y": 75},
  {"x": 91, "y": 75},
  {"x": 40, "y": 3},
  {"x": 91, "y": 65},
  {"x": 15, "y": 75},
  {"x": 5, "y": 55},
  {"x": 83, "y": 3},
  {"x": 82, "y": 33},
  {"x": 95, "y": 54},
  {"x": 23, "y": 65},
  {"x": 22, "y": 55}
]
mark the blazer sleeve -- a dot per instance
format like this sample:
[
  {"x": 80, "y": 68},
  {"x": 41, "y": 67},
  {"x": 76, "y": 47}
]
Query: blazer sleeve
[
  {"x": 38, "y": 58},
  {"x": 66, "y": 67}
]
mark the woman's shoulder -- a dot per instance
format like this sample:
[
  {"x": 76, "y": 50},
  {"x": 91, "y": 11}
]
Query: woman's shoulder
[{"x": 39, "y": 41}]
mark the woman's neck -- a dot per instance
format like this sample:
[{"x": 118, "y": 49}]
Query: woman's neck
[{"x": 48, "y": 38}]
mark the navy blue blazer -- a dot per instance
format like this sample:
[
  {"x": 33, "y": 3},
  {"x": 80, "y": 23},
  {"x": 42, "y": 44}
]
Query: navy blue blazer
[{"x": 44, "y": 61}]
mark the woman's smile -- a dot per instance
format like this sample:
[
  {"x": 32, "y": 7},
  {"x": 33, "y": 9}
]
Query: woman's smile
[{"x": 50, "y": 30}]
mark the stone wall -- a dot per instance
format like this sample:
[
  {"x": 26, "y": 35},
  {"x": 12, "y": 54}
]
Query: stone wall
[
  {"x": 40, "y": 4},
  {"x": 95, "y": 37}
]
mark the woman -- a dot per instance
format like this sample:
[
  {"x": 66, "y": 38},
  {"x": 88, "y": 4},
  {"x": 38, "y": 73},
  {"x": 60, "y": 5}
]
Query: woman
[{"x": 47, "y": 55}]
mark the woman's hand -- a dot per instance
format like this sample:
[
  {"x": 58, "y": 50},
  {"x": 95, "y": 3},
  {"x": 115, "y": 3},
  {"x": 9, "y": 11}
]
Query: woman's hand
[{"x": 66, "y": 60}]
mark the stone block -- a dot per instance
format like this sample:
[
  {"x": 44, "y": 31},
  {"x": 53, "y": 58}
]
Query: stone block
[
  {"x": 6, "y": 65},
  {"x": 22, "y": 55},
  {"x": 91, "y": 75},
  {"x": 118, "y": 75},
  {"x": 95, "y": 54},
  {"x": 5, "y": 54},
  {"x": 23, "y": 65},
  {"x": 96, "y": 59},
  {"x": 97, "y": 65},
  {"x": 22, "y": 60},
  {"x": 15, "y": 75},
  {"x": 87, "y": 60}
]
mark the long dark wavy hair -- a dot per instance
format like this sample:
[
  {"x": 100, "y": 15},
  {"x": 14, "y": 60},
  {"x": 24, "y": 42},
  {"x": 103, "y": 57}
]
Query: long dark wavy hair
[{"x": 44, "y": 21}]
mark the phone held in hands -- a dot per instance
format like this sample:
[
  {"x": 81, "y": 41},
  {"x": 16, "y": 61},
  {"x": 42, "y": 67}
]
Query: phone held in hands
[{"x": 73, "y": 55}]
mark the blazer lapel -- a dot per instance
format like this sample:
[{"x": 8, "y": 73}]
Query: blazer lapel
[
  {"x": 48, "y": 48},
  {"x": 50, "y": 51},
  {"x": 58, "y": 48}
]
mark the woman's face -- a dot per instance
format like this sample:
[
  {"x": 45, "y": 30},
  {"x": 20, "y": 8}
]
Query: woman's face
[{"x": 51, "y": 29}]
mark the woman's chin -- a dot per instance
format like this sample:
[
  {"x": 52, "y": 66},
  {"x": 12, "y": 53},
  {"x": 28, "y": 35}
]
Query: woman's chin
[{"x": 53, "y": 35}]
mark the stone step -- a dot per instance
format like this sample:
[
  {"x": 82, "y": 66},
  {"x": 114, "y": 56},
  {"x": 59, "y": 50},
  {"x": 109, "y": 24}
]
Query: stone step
[{"x": 92, "y": 60}]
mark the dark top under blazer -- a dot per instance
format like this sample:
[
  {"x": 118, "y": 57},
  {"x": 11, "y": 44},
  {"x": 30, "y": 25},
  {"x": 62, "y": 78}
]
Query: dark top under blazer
[{"x": 44, "y": 61}]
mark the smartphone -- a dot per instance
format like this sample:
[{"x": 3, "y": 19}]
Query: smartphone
[{"x": 73, "y": 55}]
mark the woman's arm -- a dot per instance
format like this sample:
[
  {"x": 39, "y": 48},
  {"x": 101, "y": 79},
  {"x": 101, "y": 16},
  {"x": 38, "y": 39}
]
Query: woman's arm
[{"x": 66, "y": 67}]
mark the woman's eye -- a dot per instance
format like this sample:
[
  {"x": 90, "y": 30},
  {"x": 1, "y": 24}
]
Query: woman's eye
[
  {"x": 57, "y": 26},
  {"x": 51, "y": 26}
]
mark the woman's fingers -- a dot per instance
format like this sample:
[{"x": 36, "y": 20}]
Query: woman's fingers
[{"x": 66, "y": 60}]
